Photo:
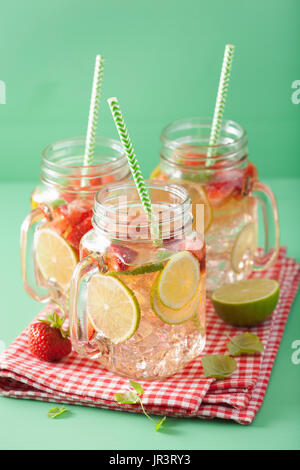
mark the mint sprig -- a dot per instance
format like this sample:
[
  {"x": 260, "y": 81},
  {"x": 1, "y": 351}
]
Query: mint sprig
[
  {"x": 56, "y": 411},
  {"x": 134, "y": 396},
  {"x": 244, "y": 344},
  {"x": 217, "y": 366}
]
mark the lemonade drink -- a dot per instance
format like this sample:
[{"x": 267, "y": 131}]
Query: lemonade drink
[
  {"x": 62, "y": 208},
  {"x": 227, "y": 183},
  {"x": 137, "y": 302}
]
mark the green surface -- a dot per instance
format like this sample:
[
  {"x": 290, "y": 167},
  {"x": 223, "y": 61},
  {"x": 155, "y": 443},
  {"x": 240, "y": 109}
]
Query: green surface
[
  {"x": 24, "y": 424},
  {"x": 163, "y": 61}
]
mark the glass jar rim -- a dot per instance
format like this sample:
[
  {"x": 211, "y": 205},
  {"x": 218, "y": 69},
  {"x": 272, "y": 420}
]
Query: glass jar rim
[
  {"x": 105, "y": 214},
  {"x": 185, "y": 142},
  {"x": 202, "y": 122},
  {"x": 79, "y": 140},
  {"x": 62, "y": 164}
]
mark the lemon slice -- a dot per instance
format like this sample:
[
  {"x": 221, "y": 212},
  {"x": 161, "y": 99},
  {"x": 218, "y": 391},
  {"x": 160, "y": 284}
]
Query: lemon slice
[
  {"x": 54, "y": 257},
  {"x": 244, "y": 244},
  {"x": 155, "y": 172},
  {"x": 169, "y": 315},
  {"x": 179, "y": 280},
  {"x": 246, "y": 303},
  {"x": 198, "y": 196},
  {"x": 112, "y": 308}
]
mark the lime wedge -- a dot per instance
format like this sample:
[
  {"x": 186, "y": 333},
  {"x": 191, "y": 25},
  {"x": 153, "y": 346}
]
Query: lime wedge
[
  {"x": 55, "y": 258},
  {"x": 179, "y": 280},
  {"x": 169, "y": 315},
  {"x": 245, "y": 244},
  {"x": 146, "y": 268},
  {"x": 112, "y": 308},
  {"x": 246, "y": 303}
]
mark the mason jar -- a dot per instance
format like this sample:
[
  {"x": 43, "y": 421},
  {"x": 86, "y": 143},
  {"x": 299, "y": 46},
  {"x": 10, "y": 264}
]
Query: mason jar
[
  {"x": 62, "y": 208},
  {"x": 223, "y": 179},
  {"x": 137, "y": 297}
]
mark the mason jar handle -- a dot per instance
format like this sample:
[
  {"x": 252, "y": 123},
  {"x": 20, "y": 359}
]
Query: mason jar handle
[
  {"x": 81, "y": 271},
  {"x": 266, "y": 259},
  {"x": 36, "y": 215}
]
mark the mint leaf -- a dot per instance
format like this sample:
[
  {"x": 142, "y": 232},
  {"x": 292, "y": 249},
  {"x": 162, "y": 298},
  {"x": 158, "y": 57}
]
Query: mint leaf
[
  {"x": 134, "y": 397},
  {"x": 137, "y": 387},
  {"x": 246, "y": 343},
  {"x": 160, "y": 423},
  {"x": 127, "y": 398},
  {"x": 218, "y": 366},
  {"x": 164, "y": 254},
  {"x": 57, "y": 202},
  {"x": 56, "y": 411}
]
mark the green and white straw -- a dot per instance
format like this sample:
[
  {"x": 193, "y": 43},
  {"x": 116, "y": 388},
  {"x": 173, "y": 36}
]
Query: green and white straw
[
  {"x": 221, "y": 101},
  {"x": 131, "y": 157},
  {"x": 94, "y": 111}
]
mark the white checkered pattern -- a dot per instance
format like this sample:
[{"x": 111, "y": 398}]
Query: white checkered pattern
[{"x": 81, "y": 381}]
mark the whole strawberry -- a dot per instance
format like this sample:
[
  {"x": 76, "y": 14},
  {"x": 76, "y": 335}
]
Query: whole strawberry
[{"x": 48, "y": 340}]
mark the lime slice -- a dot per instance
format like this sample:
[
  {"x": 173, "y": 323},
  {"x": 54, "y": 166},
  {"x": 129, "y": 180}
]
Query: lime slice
[
  {"x": 245, "y": 244},
  {"x": 169, "y": 315},
  {"x": 54, "y": 257},
  {"x": 179, "y": 280},
  {"x": 198, "y": 196},
  {"x": 146, "y": 268},
  {"x": 245, "y": 303},
  {"x": 112, "y": 308}
]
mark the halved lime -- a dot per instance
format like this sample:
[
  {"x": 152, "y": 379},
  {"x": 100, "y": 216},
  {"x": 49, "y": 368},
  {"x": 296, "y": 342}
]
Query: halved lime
[
  {"x": 179, "y": 280},
  {"x": 245, "y": 244},
  {"x": 169, "y": 315},
  {"x": 55, "y": 258},
  {"x": 246, "y": 303},
  {"x": 112, "y": 308}
]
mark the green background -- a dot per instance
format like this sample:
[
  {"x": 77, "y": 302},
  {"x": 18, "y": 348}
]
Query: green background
[{"x": 163, "y": 60}]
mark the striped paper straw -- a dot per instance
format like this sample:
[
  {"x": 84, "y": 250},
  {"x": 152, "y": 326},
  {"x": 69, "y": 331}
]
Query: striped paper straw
[
  {"x": 94, "y": 111},
  {"x": 131, "y": 157},
  {"x": 221, "y": 100}
]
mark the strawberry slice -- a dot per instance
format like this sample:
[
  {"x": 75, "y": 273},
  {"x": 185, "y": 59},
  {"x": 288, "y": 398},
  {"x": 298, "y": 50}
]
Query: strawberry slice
[
  {"x": 250, "y": 175},
  {"x": 74, "y": 237},
  {"x": 78, "y": 211},
  {"x": 219, "y": 191},
  {"x": 194, "y": 159},
  {"x": 120, "y": 257},
  {"x": 85, "y": 226}
]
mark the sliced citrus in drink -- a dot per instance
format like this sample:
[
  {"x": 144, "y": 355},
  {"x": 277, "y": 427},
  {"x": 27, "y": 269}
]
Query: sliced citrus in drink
[
  {"x": 55, "y": 258},
  {"x": 169, "y": 315},
  {"x": 112, "y": 308},
  {"x": 198, "y": 196},
  {"x": 144, "y": 269},
  {"x": 245, "y": 244},
  {"x": 179, "y": 280},
  {"x": 245, "y": 303},
  {"x": 155, "y": 173}
]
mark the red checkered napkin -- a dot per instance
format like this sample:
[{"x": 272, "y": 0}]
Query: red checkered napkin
[{"x": 81, "y": 381}]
